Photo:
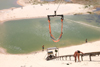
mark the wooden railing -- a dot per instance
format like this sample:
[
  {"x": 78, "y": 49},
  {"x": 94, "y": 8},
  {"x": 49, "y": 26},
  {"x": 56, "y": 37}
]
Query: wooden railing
[
  {"x": 90, "y": 54},
  {"x": 82, "y": 55}
]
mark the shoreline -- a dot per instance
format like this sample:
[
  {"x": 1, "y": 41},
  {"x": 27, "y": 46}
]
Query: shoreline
[
  {"x": 4, "y": 51},
  {"x": 38, "y": 59},
  {"x": 18, "y": 2},
  {"x": 15, "y": 13},
  {"x": 31, "y": 11},
  {"x": 27, "y": 11},
  {"x": 21, "y": 3}
]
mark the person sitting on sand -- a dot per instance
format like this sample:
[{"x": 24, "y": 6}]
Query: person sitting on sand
[{"x": 77, "y": 54}]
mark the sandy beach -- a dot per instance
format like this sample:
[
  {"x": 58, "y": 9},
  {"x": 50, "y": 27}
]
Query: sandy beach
[
  {"x": 39, "y": 11},
  {"x": 37, "y": 59}
]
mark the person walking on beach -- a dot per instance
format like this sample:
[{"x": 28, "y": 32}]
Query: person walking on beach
[
  {"x": 77, "y": 55},
  {"x": 43, "y": 48},
  {"x": 86, "y": 40}
]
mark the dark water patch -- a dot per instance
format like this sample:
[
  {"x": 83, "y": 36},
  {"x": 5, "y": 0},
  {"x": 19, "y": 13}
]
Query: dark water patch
[{"x": 97, "y": 9}]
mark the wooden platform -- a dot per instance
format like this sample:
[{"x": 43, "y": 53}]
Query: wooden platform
[{"x": 82, "y": 55}]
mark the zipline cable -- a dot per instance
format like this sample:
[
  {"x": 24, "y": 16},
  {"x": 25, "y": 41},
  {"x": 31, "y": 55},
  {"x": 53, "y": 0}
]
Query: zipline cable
[{"x": 58, "y": 5}]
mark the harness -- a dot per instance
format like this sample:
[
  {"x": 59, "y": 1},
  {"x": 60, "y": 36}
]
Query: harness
[{"x": 52, "y": 37}]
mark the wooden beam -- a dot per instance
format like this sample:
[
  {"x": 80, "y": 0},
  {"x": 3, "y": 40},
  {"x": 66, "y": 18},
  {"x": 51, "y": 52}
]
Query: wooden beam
[
  {"x": 66, "y": 57},
  {"x": 70, "y": 57},
  {"x": 82, "y": 57},
  {"x": 90, "y": 57}
]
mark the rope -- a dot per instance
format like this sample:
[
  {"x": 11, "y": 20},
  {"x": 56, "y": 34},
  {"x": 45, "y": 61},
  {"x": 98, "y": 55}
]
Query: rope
[
  {"x": 59, "y": 5},
  {"x": 52, "y": 37}
]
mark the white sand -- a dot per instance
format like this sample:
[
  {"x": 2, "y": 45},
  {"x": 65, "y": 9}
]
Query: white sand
[
  {"x": 37, "y": 11},
  {"x": 38, "y": 59}
]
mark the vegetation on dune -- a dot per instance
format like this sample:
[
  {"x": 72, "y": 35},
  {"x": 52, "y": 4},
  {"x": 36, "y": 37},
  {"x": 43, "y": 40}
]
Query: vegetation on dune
[
  {"x": 87, "y": 2},
  {"x": 34, "y": 2},
  {"x": 95, "y": 3}
]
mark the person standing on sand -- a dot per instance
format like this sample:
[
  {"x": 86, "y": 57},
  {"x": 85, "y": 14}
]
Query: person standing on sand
[
  {"x": 86, "y": 40},
  {"x": 77, "y": 54},
  {"x": 43, "y": 48}
]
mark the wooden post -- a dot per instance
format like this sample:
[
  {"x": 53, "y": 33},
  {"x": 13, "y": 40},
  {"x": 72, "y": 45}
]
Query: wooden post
[
  {"x": 58, "y": 51},
  {"x": 90, "y": 57},
  {"x": 82, "y": 57},
  {"x": 70, "y": 57},
  {"x": 62, "y": 58},
  {"x": 66, "y": 57},
  {"x": 57, "y": 58}
]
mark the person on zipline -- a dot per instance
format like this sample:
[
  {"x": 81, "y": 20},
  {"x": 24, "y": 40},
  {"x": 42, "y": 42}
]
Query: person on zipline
[{"x": 77, "y": 54}]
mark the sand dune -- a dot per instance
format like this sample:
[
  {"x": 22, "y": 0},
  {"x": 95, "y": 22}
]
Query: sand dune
[{"x": 38, "y": 11}]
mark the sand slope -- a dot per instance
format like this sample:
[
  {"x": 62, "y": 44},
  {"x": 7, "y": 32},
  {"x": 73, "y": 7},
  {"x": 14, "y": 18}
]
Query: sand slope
[
  {"x": 37, "y": 11},
  {"x": 38, "y": 59}
]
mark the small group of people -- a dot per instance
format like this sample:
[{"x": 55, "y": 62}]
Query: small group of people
[{"x": 76, "y": 54}]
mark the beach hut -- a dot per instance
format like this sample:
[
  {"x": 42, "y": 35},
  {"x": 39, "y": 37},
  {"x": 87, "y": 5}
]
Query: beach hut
[{"x": 52, "y": 53}]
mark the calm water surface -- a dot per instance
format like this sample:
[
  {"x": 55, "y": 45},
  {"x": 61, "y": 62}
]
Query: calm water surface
[
  {"x": 24, "y": 36},
  {"x": 6, "y": 4}
]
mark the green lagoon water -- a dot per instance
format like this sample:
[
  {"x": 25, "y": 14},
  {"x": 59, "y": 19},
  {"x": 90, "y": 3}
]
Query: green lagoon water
[{"x": 25, "y": 36}]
